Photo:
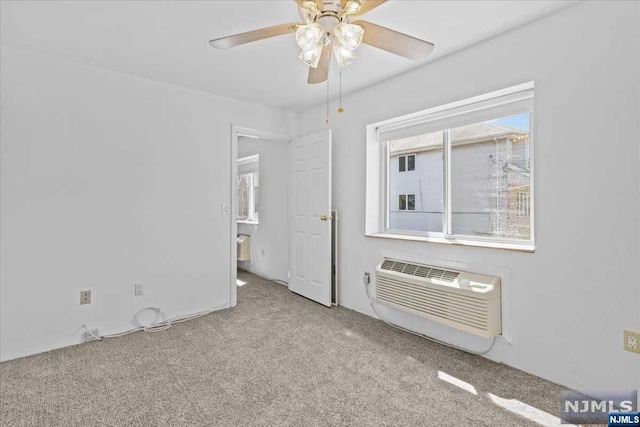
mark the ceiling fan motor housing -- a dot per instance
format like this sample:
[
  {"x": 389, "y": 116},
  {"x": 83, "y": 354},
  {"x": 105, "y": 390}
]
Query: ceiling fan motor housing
[
  {"x": 329, "y": 22},
  {"x": 331, "y": 6}
]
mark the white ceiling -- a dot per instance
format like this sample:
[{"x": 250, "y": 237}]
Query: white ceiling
[{"x": 168, "y": 40}]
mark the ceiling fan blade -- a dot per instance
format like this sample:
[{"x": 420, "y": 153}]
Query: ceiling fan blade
[
  {"x": 321, "y": 72},
  {"x": 395, "y": 42},
  {"x": 252, "y": 36},
  {"x": 366, "y": 6}
]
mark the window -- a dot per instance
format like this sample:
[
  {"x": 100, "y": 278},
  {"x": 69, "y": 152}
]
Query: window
[
  {"x": 407, "y": 202},
  {"x": 248, "y": 189},
  {"x": 407, "y": 163},
  {"x": 474, "y": 184},
  {"x": 411, "y": 162}
]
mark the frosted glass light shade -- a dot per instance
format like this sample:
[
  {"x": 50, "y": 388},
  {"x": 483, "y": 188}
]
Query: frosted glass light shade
[
  {"x": 343, "y": 56},
  {"x": 351, "y": 7},
  {"x": 308, "y": 36},
  {"x": 349, "y": 35},
  {"x": 311, "y": 57},
  {"x": 310, "y": 5}
]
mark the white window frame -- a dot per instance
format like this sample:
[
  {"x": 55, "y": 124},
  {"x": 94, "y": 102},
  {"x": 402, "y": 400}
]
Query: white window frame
[{"x": 377, "y": 175}]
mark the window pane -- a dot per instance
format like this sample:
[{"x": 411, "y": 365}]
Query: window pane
[
  {"x": 411, "y": 163},
  {"x": 424, "y": 188},
  {"x": 243, "y": 197},
  {"x": 490, "y": 176},
  {"x": 401, "y": 161},
  {"x": 411, "y": 202},
  {"x": 402, "y": 202}
]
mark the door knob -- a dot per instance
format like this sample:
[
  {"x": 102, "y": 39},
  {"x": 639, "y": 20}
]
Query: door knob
[{"x": 325, "y": 217}]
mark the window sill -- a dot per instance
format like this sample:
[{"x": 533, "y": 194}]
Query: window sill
[
  {"x": 520, "y": 247},
  {"x": 248, "y": 222}
]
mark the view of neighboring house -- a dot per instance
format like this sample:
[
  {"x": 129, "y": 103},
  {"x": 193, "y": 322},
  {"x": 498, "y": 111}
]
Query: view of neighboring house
[{"x": 492, "y": 198}]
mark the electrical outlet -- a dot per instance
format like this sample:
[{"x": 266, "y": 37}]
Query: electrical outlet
[
  {"x": 366, "y": 279},
  {"x": 85, "y": 297},
  {"x": 91, "y": 336},
  {"x": 632, "y": 341},
  {"x": 138, "y": 289}
]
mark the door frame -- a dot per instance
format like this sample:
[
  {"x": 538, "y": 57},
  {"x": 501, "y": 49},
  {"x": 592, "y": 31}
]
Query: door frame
[{"x": 236, "y": 132}]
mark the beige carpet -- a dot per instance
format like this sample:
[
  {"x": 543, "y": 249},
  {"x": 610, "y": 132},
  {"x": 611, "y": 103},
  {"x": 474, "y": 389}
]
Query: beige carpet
[{"x": 275, "y": 359}]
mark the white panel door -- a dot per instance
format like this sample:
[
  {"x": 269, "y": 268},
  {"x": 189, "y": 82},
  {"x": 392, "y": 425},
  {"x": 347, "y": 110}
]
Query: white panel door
[{"x": 310, "y": 270}]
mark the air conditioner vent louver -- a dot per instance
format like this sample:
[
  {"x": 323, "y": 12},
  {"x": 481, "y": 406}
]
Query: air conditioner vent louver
[
  {"x": 410, "y": 269},
  {"x": 419, "y": 270},
  {"x": 450, "y": 276},
  {"x": 463, "y": 300},
  {"x": 387, "y": 264},
  {"x": 435, "y": 273},
  {"x": 398, "y": 266},
  {"x": 422, "y": 271}
]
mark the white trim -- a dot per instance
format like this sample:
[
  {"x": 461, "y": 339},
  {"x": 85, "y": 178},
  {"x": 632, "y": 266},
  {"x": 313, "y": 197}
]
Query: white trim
[
  {"x": 532, "y": 169},
  {"x": 465, "y": 241},
  {"x": 236, "y": 132},
  {"x": 511, "y": 94},
  {"x": 249, "y": 160},
  {"x": 446, "y": 179},
  {"x": 336, "y": 272},
  {"x": 385, "y": 203}
]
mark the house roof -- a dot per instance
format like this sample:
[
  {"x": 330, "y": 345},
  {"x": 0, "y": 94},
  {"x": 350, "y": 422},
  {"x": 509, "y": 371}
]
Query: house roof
[{"x": 477, "y": 132}]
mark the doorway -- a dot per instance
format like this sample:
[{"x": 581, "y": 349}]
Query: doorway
[
  {"x": 263, "y": 208},
  {"x": 249, "y": 192},
  {"x": 281, "y": 212}
]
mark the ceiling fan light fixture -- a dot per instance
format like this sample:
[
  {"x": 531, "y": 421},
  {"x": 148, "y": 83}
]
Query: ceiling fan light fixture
[
  {"x": 327, "y": 28},
  {"x": 351, "y": 7},
  {"x": 343, "y": 56},
  {"x": 349, "y": 35},
  {"x": 311, "y": 57},
  {"x": 308, "y": 36}
]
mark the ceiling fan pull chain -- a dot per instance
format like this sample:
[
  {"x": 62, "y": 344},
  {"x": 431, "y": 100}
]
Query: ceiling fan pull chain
[
  {"x": 340, "y": 109},
  {"x": 327, "y": 101}
]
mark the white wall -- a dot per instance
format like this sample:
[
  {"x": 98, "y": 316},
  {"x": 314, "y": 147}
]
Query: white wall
[
  {"x": 107, "y": 180},
  {"x": 570, "y": 300},
  {"x": 270, "y": 257}
]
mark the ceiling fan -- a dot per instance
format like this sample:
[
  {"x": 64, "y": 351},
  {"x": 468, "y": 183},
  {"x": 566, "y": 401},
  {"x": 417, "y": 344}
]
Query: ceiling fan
[{"x": 330, "y": 26}]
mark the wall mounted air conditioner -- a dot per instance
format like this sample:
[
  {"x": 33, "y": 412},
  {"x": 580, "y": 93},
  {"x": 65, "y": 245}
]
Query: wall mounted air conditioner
[
  {"x": 460, "y": 299},
  {"x": 244, "y": 247}
]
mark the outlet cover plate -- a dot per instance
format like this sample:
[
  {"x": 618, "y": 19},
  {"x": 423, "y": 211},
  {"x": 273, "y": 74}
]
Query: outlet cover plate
[
  {"x": 632, "y": 341},
  {"x": 138, "y": 289},
  {"x": 85, "y": 297}
]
